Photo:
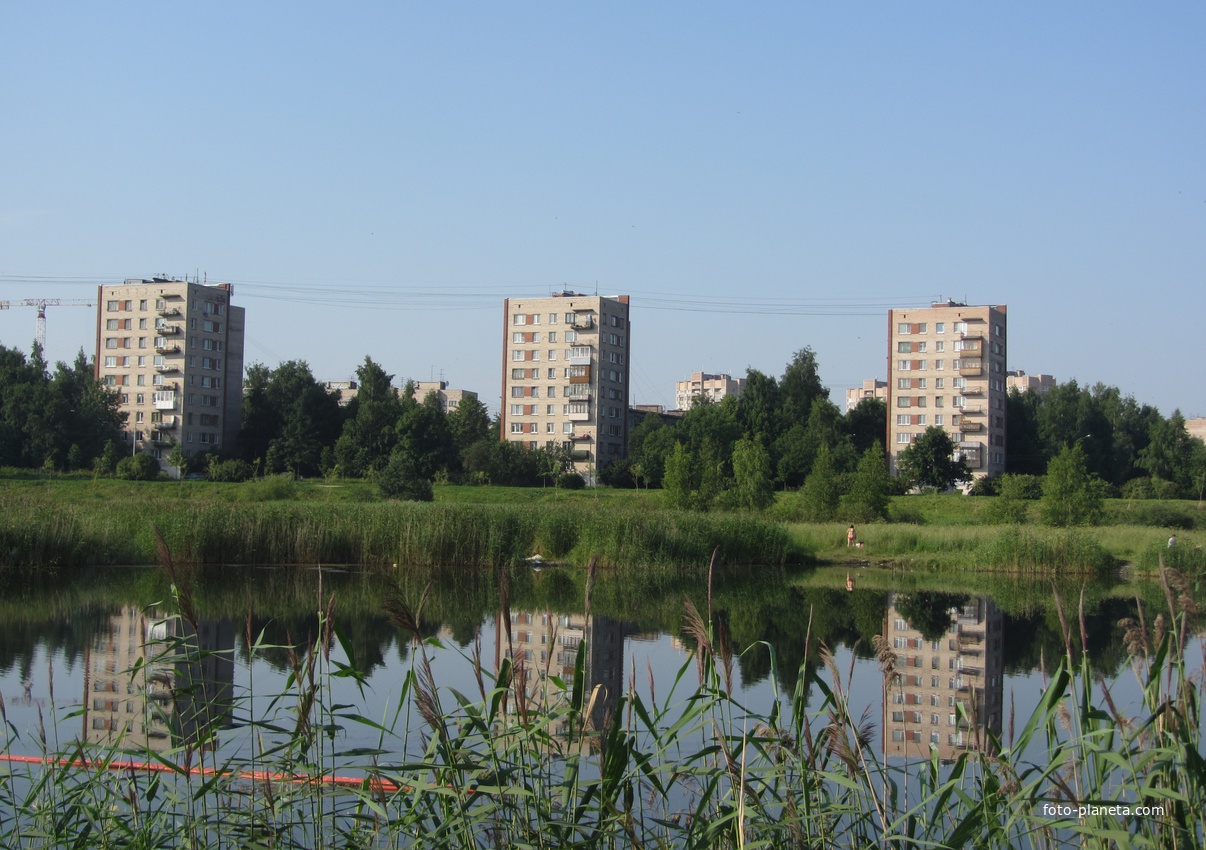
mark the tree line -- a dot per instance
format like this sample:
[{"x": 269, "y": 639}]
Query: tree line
[{"x": 780, "y": 434}]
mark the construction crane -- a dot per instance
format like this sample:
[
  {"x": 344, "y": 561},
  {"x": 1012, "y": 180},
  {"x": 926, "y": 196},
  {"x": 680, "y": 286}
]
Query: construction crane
[{"x": 42, "y": 304}]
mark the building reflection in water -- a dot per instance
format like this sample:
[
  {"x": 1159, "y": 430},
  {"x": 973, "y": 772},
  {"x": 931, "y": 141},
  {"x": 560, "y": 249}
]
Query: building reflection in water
[
  {"x": 544, "y": 644},
  {"x": 151, "y": 683},
  {"x": 934, "y": 678}
]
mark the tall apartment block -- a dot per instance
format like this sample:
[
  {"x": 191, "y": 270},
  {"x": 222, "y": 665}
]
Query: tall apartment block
[
  {"x": 565, "y": 375},
  {"x": 173, "y": 349},
  {"x": 946, "y": 367},
  {"x": 711, "y": 387}
]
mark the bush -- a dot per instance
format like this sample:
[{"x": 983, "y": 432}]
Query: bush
[
  {"x": 571, "y": 481},
  {"x": 401, "y": 480},
  {"x": 273, "y": 488},
  {"x": 1137, "y": 488},
  {"x": 983, "y": 487},
  {"x": 230, "y": 471},
  {"x": 140, "y": 467}
]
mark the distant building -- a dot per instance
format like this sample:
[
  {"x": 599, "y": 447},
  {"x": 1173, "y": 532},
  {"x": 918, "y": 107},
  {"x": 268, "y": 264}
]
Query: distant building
[
  {"x": 173, "y": 350},
  {"x": 1020, "y": 381},
  {"x": 565, "y": 375},
  {"x": 711, "y": 387},
  {"x": 1196, "y": 427},
  {"x": 638, "y": 413},
  {"x": 873, "y": 388},
  {"x": 450, "y": 399},
  {"x": 946, "y": 367},
  {"x": 347, "y": 390}
]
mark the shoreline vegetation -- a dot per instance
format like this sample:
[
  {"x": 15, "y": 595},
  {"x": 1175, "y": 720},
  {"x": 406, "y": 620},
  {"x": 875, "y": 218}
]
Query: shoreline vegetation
[{"x": 68, "y": 521}]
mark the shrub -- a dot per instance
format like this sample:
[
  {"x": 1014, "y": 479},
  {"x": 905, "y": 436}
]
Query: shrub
[
  {"x": 273, "y": 488},
  {"x": 401, "y": 480},
  {"x": 571, "y": 481},
  {"x": 140, "y": 467},
  {"x": 231, "y": 471}
]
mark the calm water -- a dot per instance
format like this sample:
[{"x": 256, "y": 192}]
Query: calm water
[{"x": 66, "y": 645}]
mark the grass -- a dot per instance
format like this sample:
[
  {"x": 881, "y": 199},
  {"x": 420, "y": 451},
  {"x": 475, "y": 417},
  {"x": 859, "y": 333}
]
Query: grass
[
  {"x": 70, "y": 520},
  {"x": 527, "y": 760}
]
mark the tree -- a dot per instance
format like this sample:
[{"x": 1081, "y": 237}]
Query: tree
[
  {"x": 928, "y": 461},
  {"x": 1071, "y": 494},
  {"x": 423, "y": 434},
  {"x": 677, "y": 481},
  {"x": 177, "y": 460},
  {"x": 370, "y": 432},
  {"x": 867, "y": 424},
  {"x": 752, "y": 474},
  {"x": 870, "y": 488},
  {"x": 800, "y": 387},
  {"x": 1169, "y": 452},
  {"x": 139, "y": 467},
  {"x": 1024, "y": 453},
  {"x": 468, "y": 423},
  {"x": 820, "y": 493}
]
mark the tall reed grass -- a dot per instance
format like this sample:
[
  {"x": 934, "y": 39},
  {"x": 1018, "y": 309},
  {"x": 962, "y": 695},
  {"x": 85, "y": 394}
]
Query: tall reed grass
[{"x": 384, "y": 533}]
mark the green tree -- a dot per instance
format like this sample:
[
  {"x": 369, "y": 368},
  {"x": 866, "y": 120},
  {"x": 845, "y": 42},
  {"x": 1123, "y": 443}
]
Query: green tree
[
  {"x": 176, "y": 460},
  {"x": 677, "y": 481},
  {"x": 867, "y": 424},
  {"x": 928, "y": 461},
  {"x": 1169, "y": 452},
  {"x": 870, "y": 488},
  {"x": 468, "y": 423},
  {"x": 1071, "y": 494},
  {"x": 800, "y": 387},
  {"x": 820, "y": 494},
  {"x": 423, "y": 434},
  {"x": 139, "y": 467},
  {"x": 1025, "y": 453},
  {"x": 752, "y": 474},
  {"x": 370, "y": 431}
]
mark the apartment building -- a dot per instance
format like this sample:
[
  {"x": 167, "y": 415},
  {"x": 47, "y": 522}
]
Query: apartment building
[
  {"x": 946, "y": 367},
  {"x": 873, "y": 388},
  {"x": 566, "y": 375},
  {"x": 1016, "y": 379},
  {"x": 173, "y": 350},
  {"x": 450, "y": 398},
  {"x": 711, "y": 387},
  {"x": 944, "y": 693}
]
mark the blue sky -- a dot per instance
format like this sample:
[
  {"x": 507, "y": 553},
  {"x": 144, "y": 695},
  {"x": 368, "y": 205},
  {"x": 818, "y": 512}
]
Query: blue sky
[{"x": 375, "y": 178}]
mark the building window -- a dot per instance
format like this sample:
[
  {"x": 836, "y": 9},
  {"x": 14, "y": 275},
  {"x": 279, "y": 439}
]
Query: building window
[
  {"x": 516, "y": 427},
  {"x": 904, "y": 401},
  {"x": 902, "y": 328},
  {"x": 904, "y": 347},
  {"x": 903, "y": 365},
  {"x": 939, "y": 327},
  {"x": 519, "y": 319},
  {"x": 904, "y": 438}
]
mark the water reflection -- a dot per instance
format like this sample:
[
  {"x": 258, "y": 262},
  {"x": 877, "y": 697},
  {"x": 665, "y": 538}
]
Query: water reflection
[
  {"x": 947, "y": 686},
  {"x": 541, "y": 644},
  {"x": 155, "y": 682}
]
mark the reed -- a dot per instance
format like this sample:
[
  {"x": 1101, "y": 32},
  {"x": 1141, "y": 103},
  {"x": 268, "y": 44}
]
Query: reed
[{"x": 276, "y": 532}]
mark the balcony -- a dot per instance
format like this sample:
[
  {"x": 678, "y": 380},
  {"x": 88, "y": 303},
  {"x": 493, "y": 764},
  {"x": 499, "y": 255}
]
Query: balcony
[
  {"x": 580, "y": 455},
  {"x": 970, "y": 427},
  {"x": 165, "y": 400},
  {"x": 971, "y": 345},
  {"x": 580, "y": 356},
  {"x": 164, "y": 368},
  {"x": 165, "y": 347},
  {"x": 582, "y": 376},
  {"x": 578, "y": 438},
  {"x": 167, "y": 330},
  {"x": 166, "y": 311},
  {"x": 970, "y": 368},
  {"x": 579, "y": 415},
  {"x": 161, "y": 439},
  {"x": 976, "y": 410},
  {"x": 166, "y": 423},
  {"x": 584, "y": 324}
]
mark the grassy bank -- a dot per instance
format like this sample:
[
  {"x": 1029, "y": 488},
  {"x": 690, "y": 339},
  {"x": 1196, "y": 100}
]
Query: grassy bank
[
  {"x": 74, "y": 520},
  {"x": 40, "y": 531}
]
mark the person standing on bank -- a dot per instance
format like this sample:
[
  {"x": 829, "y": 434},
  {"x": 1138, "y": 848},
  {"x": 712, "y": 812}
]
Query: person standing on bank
[{"x": 850, "y": 536}]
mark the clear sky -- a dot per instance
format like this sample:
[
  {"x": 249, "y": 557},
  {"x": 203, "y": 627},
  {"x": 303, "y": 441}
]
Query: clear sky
[{"x": 374, "y": 178}]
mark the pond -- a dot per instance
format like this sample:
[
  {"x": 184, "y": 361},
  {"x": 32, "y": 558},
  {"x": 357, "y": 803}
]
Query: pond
[{"x": 929, "y": 667}]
